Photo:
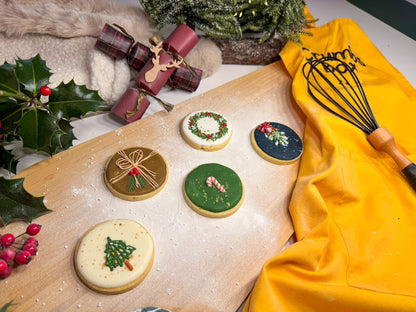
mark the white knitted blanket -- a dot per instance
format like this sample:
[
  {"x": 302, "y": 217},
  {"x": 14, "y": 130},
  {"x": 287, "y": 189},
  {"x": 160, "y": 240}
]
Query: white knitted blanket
[{"x": 64, "y": 33}]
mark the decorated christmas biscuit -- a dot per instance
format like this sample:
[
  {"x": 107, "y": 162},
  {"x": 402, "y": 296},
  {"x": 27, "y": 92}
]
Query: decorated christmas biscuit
[
  {"x": 114, "y": 256},
  {"x": 276, "y": 143},
  {"x": 151, "y": 309},
  {"x": 136, "y": 173},
  {"x": 206, "y": 130},
  {"x": 213, "y": 190}
]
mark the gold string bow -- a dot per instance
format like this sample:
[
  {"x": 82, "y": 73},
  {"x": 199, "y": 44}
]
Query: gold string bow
[
  {"x": 142, "y": 93},
  {"x": 134, "y": 160}
]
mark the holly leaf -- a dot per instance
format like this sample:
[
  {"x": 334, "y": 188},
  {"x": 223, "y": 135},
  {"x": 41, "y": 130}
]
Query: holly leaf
[
  {"x": 10, "y": 114},
  {"x": 61, "y": 139},
  {"x": 17, "y": 204},
  {"x": 9, "y": 85},
  {"x": 6, "y": 306},
  {"x": 73, "y": 101},
  {"x": 32, "y": 74},
  {"x": 36, "y": 128},
  {"x": 55, "y": 143},
  {"x": 7, "y": 160},
  {"x": 66, "y": 138}
]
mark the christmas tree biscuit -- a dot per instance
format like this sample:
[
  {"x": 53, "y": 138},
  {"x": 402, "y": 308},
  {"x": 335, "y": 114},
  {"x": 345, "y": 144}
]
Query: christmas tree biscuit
[
  {"x": 213, "y": 190},
  {"x": 114, "y": 256},
  {"x": 136, "y": 173},
  {"x": 206, "y": 130},
  {"x": 276, "y": 143}
]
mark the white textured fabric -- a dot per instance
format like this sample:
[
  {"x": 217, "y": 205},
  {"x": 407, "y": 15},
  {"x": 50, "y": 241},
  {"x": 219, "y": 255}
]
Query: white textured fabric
[{"x": 64, "y": 33}]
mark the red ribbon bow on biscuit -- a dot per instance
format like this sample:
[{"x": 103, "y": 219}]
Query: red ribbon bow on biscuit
[{"x": 266, "y": 127}]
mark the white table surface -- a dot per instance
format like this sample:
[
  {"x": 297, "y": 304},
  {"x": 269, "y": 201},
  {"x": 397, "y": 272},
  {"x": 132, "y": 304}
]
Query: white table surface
[{"x": 399, "y": 50}]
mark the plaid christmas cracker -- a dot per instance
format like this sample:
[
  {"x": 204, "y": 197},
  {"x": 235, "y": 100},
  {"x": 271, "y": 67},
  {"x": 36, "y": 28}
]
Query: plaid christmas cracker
[
  {"x": 138, "y": 56},
  {"x": 184, "y": 79},
  {"x": 119, "y": 44},
  {"x": 114, "y": 42}
]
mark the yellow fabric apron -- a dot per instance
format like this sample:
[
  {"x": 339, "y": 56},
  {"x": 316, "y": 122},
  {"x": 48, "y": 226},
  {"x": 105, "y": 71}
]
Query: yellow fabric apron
[{"x": 353, "y": 212}]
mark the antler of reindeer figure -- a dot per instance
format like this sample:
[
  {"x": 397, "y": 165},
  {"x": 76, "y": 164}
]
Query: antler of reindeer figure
[{"x": 151, "y": 75}]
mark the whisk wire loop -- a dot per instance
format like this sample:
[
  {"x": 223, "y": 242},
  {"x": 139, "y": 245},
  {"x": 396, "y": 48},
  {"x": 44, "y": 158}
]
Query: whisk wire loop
[
  {"x": 334, "y": 82},
  {"x": 361, "y": 98},
  {"x": 325, "y": 75},
  {"x": 315, "y": 84}
]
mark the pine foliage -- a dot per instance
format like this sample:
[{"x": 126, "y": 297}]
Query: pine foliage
[{"x": 232, "y": 18}]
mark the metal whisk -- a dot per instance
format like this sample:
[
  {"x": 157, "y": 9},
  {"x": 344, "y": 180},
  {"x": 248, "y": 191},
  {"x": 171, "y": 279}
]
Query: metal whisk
[{"x": 333, "y": 84}]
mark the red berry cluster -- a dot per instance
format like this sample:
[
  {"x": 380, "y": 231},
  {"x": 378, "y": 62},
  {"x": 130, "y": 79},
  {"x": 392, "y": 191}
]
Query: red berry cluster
[{"x": 14, "y": 252}]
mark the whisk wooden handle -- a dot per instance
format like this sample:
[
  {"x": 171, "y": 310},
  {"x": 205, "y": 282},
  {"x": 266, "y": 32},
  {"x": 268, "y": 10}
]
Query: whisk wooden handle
[{"x": 382, "y": 140}]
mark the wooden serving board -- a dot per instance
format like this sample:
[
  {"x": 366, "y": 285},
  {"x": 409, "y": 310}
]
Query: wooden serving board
[{"x": 201, "y": 264}]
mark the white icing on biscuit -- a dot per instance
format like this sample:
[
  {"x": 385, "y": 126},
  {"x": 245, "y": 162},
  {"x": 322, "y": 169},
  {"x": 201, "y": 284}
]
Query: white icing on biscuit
[
  {"x": 91, "y": 257},
  {"x": 209, "y": 126}
]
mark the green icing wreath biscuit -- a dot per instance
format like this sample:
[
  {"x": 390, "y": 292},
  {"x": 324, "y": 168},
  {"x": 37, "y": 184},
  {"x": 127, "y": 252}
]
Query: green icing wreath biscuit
[
  {"x": 213, "y": 190},
  {"x": 206, "y": 130}
]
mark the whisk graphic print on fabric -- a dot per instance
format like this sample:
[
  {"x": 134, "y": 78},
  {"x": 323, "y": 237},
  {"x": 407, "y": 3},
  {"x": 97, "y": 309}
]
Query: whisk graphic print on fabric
[{"x": 333, "y": 84}]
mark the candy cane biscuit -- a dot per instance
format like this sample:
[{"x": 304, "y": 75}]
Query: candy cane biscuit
[
  {"x": 276, "y": 143},
  {"x": 206, "y": 130},
  {"x": 213, "y": 190},
  {"x": 114, "y": 256},
  {"x": 136, "y": 173}
]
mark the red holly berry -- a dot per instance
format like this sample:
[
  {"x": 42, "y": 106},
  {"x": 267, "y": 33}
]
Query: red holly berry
[
  {"x": 6, "y": 272},
  {"x": 8, "y": 254},
  {"x": 224, "y": 124},
  {"x": 31, "y": 248},
  {"x": 3, "y": 265},
  {"x": 7, "y": 240},
  {"x": 23, "y": 257},
  {"x": 191, "y": 123},
  {"x": 208, "y": 136},
  {"x": 33, "y": 229},
  {"x": 45, "y": 90},
  {"x": 32, "y": 240}
]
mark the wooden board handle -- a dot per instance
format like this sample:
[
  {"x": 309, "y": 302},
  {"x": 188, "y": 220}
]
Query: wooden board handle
[{"x": 383, "y": 140}]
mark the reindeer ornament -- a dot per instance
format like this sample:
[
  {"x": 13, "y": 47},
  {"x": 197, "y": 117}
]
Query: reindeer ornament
[
  {"x": 151, "y": 74},
  {"x": 164, "y": 65},
  {"x": 157, "y": 70}
]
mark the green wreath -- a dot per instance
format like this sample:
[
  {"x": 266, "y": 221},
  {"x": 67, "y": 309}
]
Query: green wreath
[{"x": 222, "y": 125}]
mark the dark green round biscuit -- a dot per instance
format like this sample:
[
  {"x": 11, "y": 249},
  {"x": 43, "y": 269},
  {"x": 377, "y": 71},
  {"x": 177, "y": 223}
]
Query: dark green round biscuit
[{"x": 210, "y": 201}]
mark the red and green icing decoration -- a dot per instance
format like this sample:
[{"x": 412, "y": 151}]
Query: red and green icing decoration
[
  {"x": 222, "y": 125},
  {"x": 117, "y": 253},
  {"x": 271, "y": 133},
  {"x": 135, "y": 180}
]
